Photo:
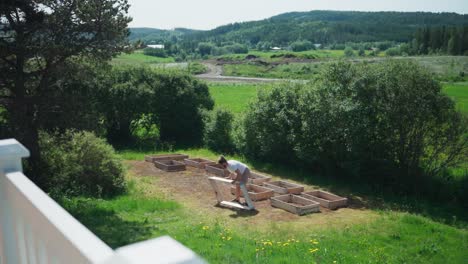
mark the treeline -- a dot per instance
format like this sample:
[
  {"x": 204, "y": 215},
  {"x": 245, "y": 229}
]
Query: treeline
[{"x": 446, "y": 40}]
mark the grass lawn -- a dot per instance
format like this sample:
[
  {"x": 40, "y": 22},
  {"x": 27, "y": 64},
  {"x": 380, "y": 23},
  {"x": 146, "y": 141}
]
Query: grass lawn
[
  {"x": 138, "y": 58},
  {"x": 377, "y": 236},
  {"x": 459, "y": 93},
  {"x": 234, "y": 97}
]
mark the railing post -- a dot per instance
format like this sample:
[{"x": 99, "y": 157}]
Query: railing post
[{"x": 11, "y": 153}]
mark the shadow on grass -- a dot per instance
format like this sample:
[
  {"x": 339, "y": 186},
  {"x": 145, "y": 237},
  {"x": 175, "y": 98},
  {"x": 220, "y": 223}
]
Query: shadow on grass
[
  {"x": 108, "y": 225},
  {"x": 365, "y": 195}
]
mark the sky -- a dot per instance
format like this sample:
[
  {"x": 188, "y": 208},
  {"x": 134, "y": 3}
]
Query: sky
[{"x": 208, "y": 14}]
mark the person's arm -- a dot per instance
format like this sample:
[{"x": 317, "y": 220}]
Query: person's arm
[{"x": 238, "y": 176}]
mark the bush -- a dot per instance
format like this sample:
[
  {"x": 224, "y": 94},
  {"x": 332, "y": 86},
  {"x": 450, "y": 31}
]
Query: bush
[
  {"x": 173, "y": 98},
  {"x": 302, "y": 45},
  {"x": 393, "y": 52},
  {"x": 79, "y": 163},
  {"x": 270, "y": 124},
  {"x": 393, "y": 113},
  {"x": 348, "y": 52},
  {"x": 218, "y": 132},
  {"x": 145, "y": 131},
  {"x": 196, "y": 68},
  {"x": 237, "y": 48},
  {"x": 389, "y": 123}
]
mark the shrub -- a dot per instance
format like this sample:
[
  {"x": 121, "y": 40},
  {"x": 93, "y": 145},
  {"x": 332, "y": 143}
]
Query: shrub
[
  {"x": 271, "y": 124},
  {"x": 218, "y": 131},
  {"x": 302, "y": 45},
  {"x": 173, "y": 98},
  {"x": 79, "y": 163},
  {"x": 348, "y": 52},
  {"x": 395, "y": 51},
  {"x": 392, "y": 115},
  {"x": 196, "y": 68}
]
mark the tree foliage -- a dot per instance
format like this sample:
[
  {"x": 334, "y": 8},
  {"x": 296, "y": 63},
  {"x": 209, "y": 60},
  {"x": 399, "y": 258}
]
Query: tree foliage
[
  {"x": 39, "y": 40},
  {"x": 389, "y": 122}
]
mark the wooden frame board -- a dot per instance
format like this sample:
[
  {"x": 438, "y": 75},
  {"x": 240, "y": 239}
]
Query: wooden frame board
[
  {"x": 258, "y": 178},
  {"x": 326, "y": 199},
  {"x": 214, "y": 181},
  {"x": 284, "y": 187},
  {"x": 256, "y": 192},
  {"x": 153, "y": 158},
  {"x": 217, "y": 169},
  {"x": 169, "y": 165},
  {"x": 295, "y": 204},
  {"x": 198, "y": 162}
]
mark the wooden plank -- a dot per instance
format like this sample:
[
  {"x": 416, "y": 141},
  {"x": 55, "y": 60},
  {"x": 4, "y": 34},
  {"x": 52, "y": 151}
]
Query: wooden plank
[
  {"x": 326, "y": 199},
  {"x": 217, "y": 169},
  {"x": 256, "y": 193},
  {"x": 219, "y": 196},
  {"x": 232, "y": 204},
  {"x": 257, "y": 178},
  {"x": 223, "y": 180},
  {"x": 295, "y": 204}
]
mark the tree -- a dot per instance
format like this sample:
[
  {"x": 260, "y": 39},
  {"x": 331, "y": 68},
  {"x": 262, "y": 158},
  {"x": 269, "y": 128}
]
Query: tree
[
  {"x": 348, "y": 52},
  {"x": 38, "y": 40}
]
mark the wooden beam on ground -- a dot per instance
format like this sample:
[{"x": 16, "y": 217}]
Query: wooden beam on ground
[{"x": 234, "y": 205}]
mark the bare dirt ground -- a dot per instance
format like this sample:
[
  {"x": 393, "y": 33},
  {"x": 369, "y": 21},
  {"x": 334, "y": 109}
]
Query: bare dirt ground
[
  {"x": 215, "y": 73},
  {"x": 192, "y": 189}
]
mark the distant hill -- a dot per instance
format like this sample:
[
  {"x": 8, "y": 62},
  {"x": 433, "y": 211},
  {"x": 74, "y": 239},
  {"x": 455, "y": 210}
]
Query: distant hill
[
  {"x": 316, "y": 26},
  {"x": 158, "y": 35}
]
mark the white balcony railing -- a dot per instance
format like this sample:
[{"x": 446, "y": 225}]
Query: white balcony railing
[{"x": 35, "y": 229}]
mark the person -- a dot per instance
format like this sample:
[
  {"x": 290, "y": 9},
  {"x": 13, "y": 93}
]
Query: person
[{"x": 240, "y": 173}]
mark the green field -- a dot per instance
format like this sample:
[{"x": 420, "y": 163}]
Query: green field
[
  {"x": 272, "y": 56},
  {"x": 445, "y": 68},
  {"x": 459, "y": 93},
  {"x": 234, "y": 97},
  {"x": 138, "y": 58}
]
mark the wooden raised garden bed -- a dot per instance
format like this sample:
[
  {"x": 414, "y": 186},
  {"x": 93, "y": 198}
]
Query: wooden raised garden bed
[
  {"x": 283, "y": 187},
  {"x": 169, "y": 165},
  {"x": 217, "y": 169},
  {"x": 198, "y": 163},
  {"x": 326, "y": 199},
  {"x": 256, "y": 193},
  {"x": 153, "y": 158},
  {"x": 295, "y": 204},
  {"x": 257, "y": 178}
]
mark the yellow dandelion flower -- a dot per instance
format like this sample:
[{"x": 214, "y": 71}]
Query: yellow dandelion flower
[
  {"x": 315, "y": 242},
  {"x": 205, "y": 227},
  {"x": 285, "y": 244},
  {"x": 312, "y": 250}
]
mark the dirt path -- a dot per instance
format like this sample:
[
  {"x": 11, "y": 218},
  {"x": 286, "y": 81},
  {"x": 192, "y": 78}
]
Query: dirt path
[
  {"x": 192, "y": 189},
  {"x": 215, "y": 74}
]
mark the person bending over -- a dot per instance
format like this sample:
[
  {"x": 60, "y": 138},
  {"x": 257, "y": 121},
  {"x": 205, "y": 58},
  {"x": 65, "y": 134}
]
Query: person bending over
[{"x": 240, "y": 173}]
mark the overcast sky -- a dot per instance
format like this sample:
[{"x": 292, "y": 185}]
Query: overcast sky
[{"x": 208, "y": 14}]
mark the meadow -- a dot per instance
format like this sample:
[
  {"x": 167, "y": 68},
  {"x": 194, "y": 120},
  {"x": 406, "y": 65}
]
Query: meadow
[
  {"x": 445, "y": 68},
  {"x": 138, "y": 58}
]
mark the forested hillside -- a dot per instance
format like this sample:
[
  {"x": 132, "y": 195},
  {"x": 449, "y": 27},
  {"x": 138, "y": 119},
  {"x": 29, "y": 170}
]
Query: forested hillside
[{"x": 323, "y": 27}]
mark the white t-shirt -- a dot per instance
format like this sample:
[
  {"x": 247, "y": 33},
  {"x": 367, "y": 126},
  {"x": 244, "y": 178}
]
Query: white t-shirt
[{"x": 234, "y": 165}]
